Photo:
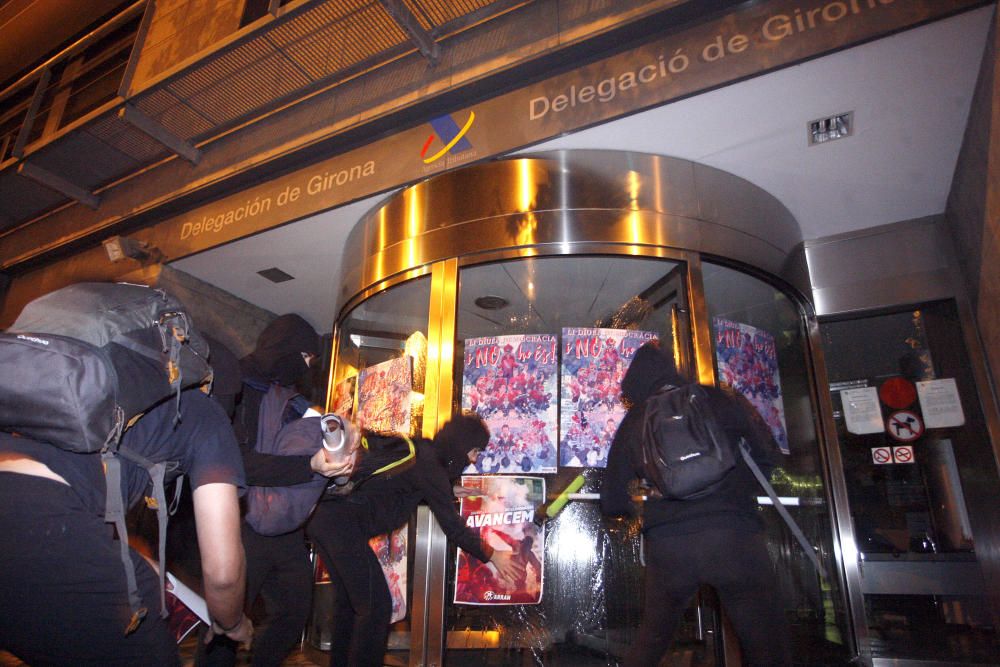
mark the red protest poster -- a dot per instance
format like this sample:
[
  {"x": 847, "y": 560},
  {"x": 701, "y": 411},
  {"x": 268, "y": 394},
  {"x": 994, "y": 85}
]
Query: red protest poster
[
  {"x": 502, "y": 512},
  {"x": 747, "y": 360},
  {"x": 343, "y": 397},
  {"x": 384, "y": 396},
  {"x": 510, "y": 381},
  {"x": 594, "y": 361},
  {"x": 391, "y": 552}
]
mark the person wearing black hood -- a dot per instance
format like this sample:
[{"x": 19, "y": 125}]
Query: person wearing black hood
[
  {"x": 341, "y": 527},
  {"x": 278, "y": 567},
  {"x": 717, "y": 539}
]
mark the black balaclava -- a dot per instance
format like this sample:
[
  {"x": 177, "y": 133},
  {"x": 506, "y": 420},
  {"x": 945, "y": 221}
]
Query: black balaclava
[
  {"x": 226, "y": 381},
  {"x": 278, "y": 355},
  {"x": 651, "y": 368},
  {"x": 456, "y": 439}
]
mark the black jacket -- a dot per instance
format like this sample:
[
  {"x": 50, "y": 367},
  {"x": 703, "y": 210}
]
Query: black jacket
[
  {"x": 389, "y": 499},
  {"x": 733, "y": 504}
]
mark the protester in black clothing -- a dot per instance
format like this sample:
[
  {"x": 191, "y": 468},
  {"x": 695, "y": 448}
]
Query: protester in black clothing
[
  {"x": 717, "y": 539},
  {"x": 341, "y": 527},
  {"x": 63, "y": 593},
  {"x": 278, "y": 567}
]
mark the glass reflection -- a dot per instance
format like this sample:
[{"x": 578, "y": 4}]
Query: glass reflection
[
  {"x": 760, "y": 350},
  {"x": 592, "y": 574}
]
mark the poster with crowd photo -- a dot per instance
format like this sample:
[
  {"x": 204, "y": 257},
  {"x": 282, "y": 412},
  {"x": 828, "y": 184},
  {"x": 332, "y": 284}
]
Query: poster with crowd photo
[
  {"x": 502, "y": 511},
  {"x": 343, "y": 397},
  {"x": 384, "y": 396},
  {"x": 594, "y": 362},
  {"x": 510, "y": 381},
  {"x": 748, "y": 362},
  {"x": 391, "y": 550}
]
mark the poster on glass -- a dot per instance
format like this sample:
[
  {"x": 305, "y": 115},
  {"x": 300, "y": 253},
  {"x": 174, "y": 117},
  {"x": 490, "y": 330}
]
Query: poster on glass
[
  {"x": 384, "y": 396},
  {"x": 390, "y": 549},
  {"x": 343, "y": 397},
  {"x": 510, "y": 381},
  {"x": 503, "y": 513},
  {"x": 748, "y": 362},
  {"x": 384, "y": 405},
  {"x": 594, "y": 362}
]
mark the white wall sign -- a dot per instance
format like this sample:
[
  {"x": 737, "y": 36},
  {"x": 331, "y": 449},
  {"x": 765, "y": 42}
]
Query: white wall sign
[
  {"x": 903, "y": 454},
  {"x": 862, "y": 412},
  {"x": 904, "y": 425},
  {"x": 881, "y": 455},
  {"x": 940, "y": 404}
]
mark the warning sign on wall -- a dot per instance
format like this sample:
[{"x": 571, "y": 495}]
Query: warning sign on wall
[
  {"x": 903, "y": 454},
  {"x": 881, "y": 455},
  {"x": 904, "y": 426},
  {"x": 887, "y": 455}
]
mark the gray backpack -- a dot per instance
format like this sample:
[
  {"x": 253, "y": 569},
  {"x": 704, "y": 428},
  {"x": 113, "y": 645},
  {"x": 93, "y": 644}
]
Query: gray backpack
[{"x": 81, "y": 364}]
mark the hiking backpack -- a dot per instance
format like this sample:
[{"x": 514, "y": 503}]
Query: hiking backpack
[
  {"x": 685, "y": 452},
  {"x": 82, "y": 364}
]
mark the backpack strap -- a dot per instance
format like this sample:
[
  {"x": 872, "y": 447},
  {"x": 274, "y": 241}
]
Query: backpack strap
[
  {"x": 157, "y": 472},
  {"x": 114, "y": 512},
  {"x": 410, "y": 455},
  {"x": 271, "y": 415},
  {"x": 352, "y": 485},
  {"x": 794, "y": 527}
]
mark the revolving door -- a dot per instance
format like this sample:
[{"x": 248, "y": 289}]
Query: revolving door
[{"x": 519, "y": 290}]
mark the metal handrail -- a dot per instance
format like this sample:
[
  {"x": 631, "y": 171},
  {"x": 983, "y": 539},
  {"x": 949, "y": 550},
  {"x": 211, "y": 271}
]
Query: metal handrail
[{"x": 79, "y": 45}]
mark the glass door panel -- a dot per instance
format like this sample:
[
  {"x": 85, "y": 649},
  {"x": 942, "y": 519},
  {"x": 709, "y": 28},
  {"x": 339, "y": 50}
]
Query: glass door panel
[
  {"x": 379, "y": 378},
  {"x": 920, "y": 477},
  {"x": 590, "y": 580},
  {"x": 760, "y": 347}
]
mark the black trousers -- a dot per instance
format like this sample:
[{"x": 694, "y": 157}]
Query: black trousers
[
  {"x": 278, "y": 569},
  {"x": 362, "y": 605},
  {"x": 63, "y": 596},
  {"x": 737, "y": 565}
]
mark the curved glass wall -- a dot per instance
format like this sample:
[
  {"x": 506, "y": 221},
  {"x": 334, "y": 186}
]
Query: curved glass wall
[
  {"x": 380, "y": 379},
  {"x": 760, "y": 350},
  {"x": 382, "y": 358},
  {"x": 537, "y": 343},
  {"x": 553, "y": 419}
]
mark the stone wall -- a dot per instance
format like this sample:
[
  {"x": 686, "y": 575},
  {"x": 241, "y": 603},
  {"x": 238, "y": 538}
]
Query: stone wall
[
  {"x": 230, "y": 320},
  {"x": 973, "y": 211}
]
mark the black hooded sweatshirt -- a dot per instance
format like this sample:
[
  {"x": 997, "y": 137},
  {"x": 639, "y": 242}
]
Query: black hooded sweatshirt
[
  {"x": 388, "y": 500},
  {"x": 277, "y": 358},
  {"x": 733, "y": 505}
]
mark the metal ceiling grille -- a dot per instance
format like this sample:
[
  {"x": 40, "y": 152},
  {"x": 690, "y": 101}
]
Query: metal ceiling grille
[
  {"x": 433, "y": 14},
  {"x": 308, "y": 46},
  {"x": 126, "y": 139}
]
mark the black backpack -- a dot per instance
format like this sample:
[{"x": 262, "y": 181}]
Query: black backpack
[
  {"x": 81, "y": 364},
  {"x": 685, "y": 452}
]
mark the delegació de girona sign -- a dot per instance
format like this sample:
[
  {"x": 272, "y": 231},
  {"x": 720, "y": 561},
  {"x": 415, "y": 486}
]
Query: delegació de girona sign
[{"x": 751, "y": 41}]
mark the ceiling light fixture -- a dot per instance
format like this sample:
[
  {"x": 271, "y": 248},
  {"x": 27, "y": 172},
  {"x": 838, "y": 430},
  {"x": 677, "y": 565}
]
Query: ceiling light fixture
[
  {"x": 276, "y": 275},
  {"x": 119, "y": 248},
  {"x": 491, "y": 302},
  {"x": 827, "y": 129}
]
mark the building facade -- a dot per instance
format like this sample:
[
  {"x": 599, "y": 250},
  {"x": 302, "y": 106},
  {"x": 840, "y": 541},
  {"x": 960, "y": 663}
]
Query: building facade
[{"x": 815, "y": 178}]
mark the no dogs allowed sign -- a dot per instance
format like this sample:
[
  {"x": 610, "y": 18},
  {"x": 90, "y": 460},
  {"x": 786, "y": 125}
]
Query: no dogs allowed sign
[{"x": 904, "y": 425}]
